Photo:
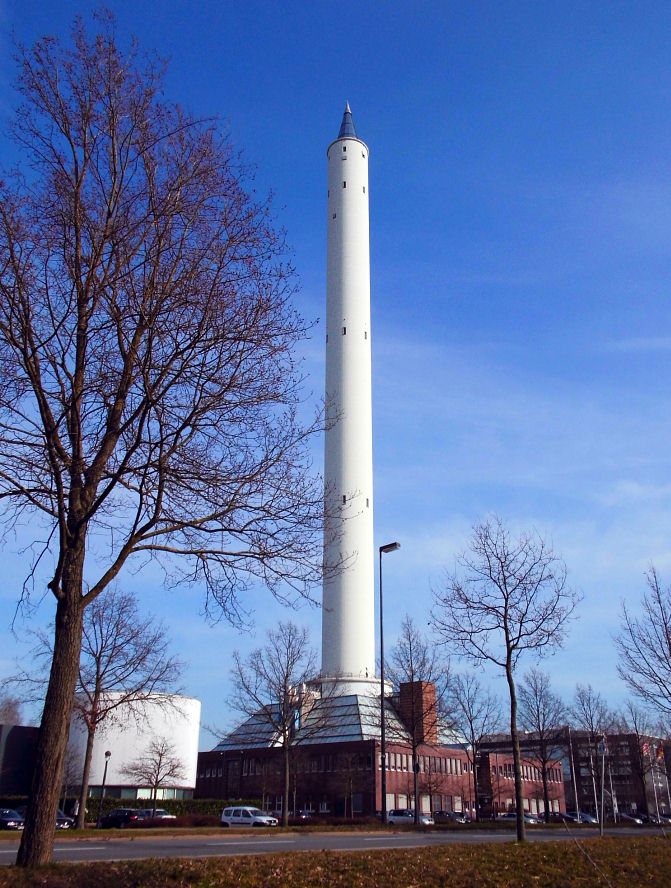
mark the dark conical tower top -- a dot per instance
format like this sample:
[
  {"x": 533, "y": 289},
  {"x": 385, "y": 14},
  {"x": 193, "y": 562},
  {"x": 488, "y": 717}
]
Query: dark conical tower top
[{"x": 347, "y": 125}]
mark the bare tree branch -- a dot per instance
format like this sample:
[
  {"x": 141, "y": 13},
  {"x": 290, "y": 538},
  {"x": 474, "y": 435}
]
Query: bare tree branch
[{"x": 644, "y": 647}]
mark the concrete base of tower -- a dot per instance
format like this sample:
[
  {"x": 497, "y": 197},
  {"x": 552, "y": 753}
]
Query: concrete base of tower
[{"x": 345, "y": 685}]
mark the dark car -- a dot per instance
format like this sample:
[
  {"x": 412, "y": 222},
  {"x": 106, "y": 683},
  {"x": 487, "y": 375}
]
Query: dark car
[
  {"x": 449, "y": 817},
  {"x": 62, "y": 820},
  {"x": 10, "y": 819},
  {"x": 120, "y": 818}
]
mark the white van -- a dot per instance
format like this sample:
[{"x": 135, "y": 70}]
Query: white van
[{"x": 246, "y": 816}]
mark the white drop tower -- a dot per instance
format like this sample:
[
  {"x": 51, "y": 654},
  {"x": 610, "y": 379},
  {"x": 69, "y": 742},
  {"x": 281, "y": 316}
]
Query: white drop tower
[{"x": 348, "y": 618}]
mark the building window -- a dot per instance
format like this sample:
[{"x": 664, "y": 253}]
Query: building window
[
  {"x": 364, "y": 189},
  {"x": 367, "y": 503},
  {"x": 344, "y": 149},
  {"x": 344, "y": 184},
  {"x": 344, "y": 331},
  {"x": 344, "y": 499},
  {"x": 327, "y": 337},
  {"x": 365, "y": 334},
  {"x": 334, "y": 215}
]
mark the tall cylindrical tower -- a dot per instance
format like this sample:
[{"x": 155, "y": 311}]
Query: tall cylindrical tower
[{"x": 348, "y": 618}]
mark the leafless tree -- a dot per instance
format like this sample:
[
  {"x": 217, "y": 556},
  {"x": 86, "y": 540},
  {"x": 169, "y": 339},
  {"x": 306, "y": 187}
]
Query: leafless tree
[
  {"x": 10, "y": 710},
  {"x": 543, "y": 714},
  {"x": 476, "y": 713},
  {"x": 157, "y": 767},
  {"x": 644, "y": 647},
  {"x": 149, "y": 397},
  {"x": 72, "y": 773},
  {"x": 507, "y": 597},
  {"x": 270, "y": 688},
  {"x": 413, "y": 663},
  {"x": 124, "y": 662},
  {"x": 649, "y": 757},
  {"x": 591, "y": 714}
]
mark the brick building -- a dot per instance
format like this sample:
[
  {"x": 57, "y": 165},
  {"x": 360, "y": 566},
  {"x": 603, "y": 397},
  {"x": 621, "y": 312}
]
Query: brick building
[{"x": 335, "y": 761}]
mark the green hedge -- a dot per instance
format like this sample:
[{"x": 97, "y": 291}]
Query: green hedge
[{"x": 179, "y": 807}]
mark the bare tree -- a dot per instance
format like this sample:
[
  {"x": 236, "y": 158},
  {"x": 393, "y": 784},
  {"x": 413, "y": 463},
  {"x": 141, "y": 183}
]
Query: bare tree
[
  {"x": 10, "y": 710},
  {"x": 644, "y": 647},
  {"x": 420, "y": 675},
  {"x": 270, "y": 689},
  {"x": 509, "y": 598},
  {"x": 544, "y": 715},
  {"x": 476, "y": 713},
  {"x": 149, "y": 386},
  {"x": 157, "y": 767},
  {"x": 124, "y": 662},
  {"x": 591, "y": 714}
]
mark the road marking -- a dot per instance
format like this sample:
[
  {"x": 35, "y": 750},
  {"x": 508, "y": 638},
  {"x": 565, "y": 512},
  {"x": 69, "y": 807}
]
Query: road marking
[
  {"x": 229, "y": 844},
  {"x": 68, "y": 849}
]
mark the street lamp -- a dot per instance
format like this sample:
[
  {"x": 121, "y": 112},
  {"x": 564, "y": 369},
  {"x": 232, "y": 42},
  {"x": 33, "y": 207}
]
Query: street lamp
[
  {"x": 390, "y": 547},
  {"x": 102, "y": 789}
]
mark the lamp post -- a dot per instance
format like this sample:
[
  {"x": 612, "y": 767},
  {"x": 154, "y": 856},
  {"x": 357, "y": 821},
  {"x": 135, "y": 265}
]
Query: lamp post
[
  {"x": 389, "y": 547},
  {"x": 102, "y": 790}
]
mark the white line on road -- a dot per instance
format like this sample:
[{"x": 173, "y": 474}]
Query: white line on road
[{"x": 251, "y": 841}]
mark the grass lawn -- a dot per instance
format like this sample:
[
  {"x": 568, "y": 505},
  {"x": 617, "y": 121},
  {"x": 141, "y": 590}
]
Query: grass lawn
[{"x": 617, "y": 862}]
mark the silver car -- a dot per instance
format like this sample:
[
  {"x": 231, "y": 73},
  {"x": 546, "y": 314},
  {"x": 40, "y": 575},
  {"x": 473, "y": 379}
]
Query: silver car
[
  {"x": 245, "y": 815},
  {"x": 407, "y": 817}
]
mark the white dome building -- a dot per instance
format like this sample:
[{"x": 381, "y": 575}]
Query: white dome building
[{"x": 128, "y": 734}]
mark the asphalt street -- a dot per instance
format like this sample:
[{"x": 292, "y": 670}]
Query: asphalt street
[{"x": 113, "y": 847}]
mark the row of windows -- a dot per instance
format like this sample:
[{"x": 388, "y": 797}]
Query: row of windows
[
  {"x": 529, "y": 772},
  {"x": 344, "y": 333},
  {"x": 314, "y": 764},
  {"x": 344, "y": 185},
  {"x": 428, "y": 764},
  {"x": 344, "y": 151},
  {"x": 344, "y": 501}
]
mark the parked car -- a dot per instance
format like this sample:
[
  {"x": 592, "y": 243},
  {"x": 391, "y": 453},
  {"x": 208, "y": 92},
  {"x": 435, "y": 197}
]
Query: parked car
[
  {"x": 62, "y": 820},
  {"x": 158, "y": 814},
  {"x": 247, "y": 816},
  {"x": 450, "y": 817},
  {"x": 10, "y": 819},
  {"x": 407, "y": 817},
  {"x": 120, "y": 818},
  {"x": 511, "y": 815}
]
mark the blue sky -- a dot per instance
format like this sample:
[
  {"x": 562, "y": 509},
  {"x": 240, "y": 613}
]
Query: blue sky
[{"x": 520, "y": 214}]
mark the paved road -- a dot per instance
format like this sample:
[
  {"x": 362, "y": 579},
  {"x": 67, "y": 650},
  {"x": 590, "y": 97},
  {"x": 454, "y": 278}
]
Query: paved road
[{"x": 115, "y": 847}]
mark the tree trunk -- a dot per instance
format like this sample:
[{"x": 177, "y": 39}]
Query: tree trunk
[
  {"x": 415, "y": 783},
  {"x": 38, "y": 835},
  {"x": 517, "y": 758},
  {"x": 476, "y": 799},
  {"x": 83, "y": 795},
  {"x": 285, "y": 794},
  {"x": 546, "y": 790}
]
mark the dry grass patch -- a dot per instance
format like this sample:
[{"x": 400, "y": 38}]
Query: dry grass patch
[{"x": 620, "y": 862}]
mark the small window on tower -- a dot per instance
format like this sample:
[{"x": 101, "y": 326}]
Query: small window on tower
[
  {"x": 327, "y": 337},
  {"x": 344, "y": 331},
  {"x": 367, "y": 503},
  {"x": 344, "y": 148},
  {"x": 328, "y": 193},
  {"x": 365, "y": 334},
  {"x": 344, "y": 499},
  {"x": 364, "y": 189},
  {"x": 344, "y": 184},
  {"x": 334, "y": 215},
  {"x": 363, "y": 153}
]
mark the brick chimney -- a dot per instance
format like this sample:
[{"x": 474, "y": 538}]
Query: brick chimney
[{"x": 418, "y": 710}]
